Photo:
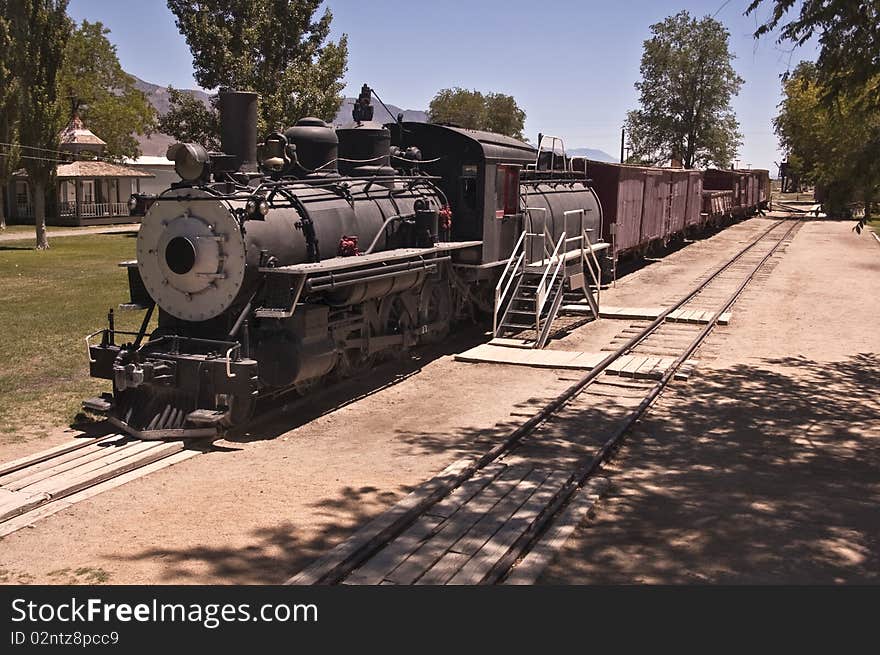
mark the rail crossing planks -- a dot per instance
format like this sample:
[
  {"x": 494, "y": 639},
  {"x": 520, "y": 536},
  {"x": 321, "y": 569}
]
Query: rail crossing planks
[
  {"x": 646, "y": 367},
  {"x": 31, "y": 487},
  {"x": 699, "y": 316},
  {"x": 460, "y": 538}
]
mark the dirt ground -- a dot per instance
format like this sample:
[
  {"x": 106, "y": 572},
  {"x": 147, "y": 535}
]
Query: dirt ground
[
  {"x": 23, "y": 232},
  {"x": 765, "y": 466},
  {"x": 257, "y": 509}
]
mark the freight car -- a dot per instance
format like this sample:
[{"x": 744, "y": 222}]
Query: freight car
[
  {"x": 645, "y": 208},
  {"x": 322, "y": 250}
]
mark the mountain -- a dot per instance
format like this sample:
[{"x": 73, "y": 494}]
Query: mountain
[
  {"x": 158, "y": 95},
  {"x": 590, "y": 153},
  {"x": 380, "y": 114},
  {"x": 157, "y": 143}
]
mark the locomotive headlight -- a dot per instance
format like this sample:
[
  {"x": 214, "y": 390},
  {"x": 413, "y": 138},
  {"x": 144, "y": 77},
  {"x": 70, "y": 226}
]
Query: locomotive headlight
[
  {"x": 263, "y": 207},
  {"x": 190, "y": 160}
]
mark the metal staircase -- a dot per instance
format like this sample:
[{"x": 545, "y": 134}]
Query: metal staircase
[{"x": 533, "y": 285}]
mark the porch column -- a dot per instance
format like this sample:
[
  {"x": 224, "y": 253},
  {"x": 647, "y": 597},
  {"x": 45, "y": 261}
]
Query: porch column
[{"x": 77, "y": 183}]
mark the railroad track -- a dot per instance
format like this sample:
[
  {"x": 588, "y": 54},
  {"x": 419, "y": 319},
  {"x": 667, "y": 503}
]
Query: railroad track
[
  {"x": 498, "y": 518},
  {"x": 41, "y": 484}
]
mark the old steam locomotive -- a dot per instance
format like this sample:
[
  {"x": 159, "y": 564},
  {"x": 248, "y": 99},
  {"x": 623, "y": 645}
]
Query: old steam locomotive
[{"x": 318, "y": 251}]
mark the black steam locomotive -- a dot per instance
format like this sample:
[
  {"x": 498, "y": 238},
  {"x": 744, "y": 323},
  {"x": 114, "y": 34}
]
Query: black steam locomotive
[{"x": 318, "y": 251}]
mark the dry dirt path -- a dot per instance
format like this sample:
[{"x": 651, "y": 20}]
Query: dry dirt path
[
  {"x": 765, "y": 466},
  {"x": 257, "y": 510},
  {"x": 16, "y": 235}
]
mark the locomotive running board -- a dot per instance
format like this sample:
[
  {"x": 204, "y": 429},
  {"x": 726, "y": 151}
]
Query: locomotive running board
[{"x": 335, "y": 264}]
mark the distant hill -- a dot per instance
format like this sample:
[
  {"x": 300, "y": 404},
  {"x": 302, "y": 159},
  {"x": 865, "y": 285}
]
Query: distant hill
[
  {"x": 157, "y": 143},
  {"x": 158, "y": 95},
  {"x": 590, "y": 153}
]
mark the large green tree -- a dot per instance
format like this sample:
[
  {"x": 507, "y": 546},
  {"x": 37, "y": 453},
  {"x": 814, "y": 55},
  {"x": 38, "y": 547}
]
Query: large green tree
[
  {"x": 686, "y": 87},
  {"x": 190, "y": 121},
  {"x": 8, "y": 109},
  {"x": 471, "y": 109},
  {"x": 40, "y": 29},
  {"x": 92, "y": 82},
  {"x": 832, "y": 145},
  {"x": 278, "y": 48},
  {"x": 848, "y": 32}
]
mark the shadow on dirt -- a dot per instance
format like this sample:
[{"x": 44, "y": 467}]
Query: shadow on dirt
[{"x": 754, "y": 474}]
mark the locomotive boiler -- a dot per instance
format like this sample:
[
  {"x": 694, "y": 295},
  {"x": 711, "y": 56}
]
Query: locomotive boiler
[{"x": 313, "y": 254}]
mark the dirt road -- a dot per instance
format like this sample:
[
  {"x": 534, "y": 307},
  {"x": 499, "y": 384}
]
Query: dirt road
[
  {"x": 258, "y": 509},
  {"x": 765, "y": 466}
]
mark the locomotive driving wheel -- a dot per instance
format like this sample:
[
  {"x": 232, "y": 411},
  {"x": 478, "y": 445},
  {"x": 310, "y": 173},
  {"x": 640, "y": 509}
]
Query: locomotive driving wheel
[
  {"x": 435, "y": 305},
  {"x": 395, "y": 316}
]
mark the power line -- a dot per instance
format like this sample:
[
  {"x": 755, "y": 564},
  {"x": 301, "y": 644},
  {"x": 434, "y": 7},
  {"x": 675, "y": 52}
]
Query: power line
[{"x": 723, "y": 5}]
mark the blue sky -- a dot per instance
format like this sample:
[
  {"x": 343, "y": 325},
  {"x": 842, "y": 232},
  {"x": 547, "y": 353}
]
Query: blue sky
[{"x": 570, "y": 64}]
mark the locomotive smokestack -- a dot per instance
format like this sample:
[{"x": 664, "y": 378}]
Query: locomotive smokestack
[{"x": 238, "y": 127}]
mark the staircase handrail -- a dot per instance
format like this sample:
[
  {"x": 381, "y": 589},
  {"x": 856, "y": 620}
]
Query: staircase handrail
[
  {"x": 541, "y": 293},
  {"x": 507, "y": 280}
]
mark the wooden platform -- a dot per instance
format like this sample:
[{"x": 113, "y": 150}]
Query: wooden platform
[
  {"x": 74, "y": 471},
  {"x": 634, "y": 366},
  {"x": 697, "y": 316}
]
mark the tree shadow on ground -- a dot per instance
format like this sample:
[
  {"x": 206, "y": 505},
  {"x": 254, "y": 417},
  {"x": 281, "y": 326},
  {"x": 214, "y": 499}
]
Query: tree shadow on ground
[
  {"x": 766, "y": 473},
  {"x": 756, "y": 473},
  {"x": 276, "y": 551}
]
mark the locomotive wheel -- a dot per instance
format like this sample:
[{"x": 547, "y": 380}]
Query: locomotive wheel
[
  {"x": 394, "y": 315},
  {"x": 435, "y": 304},
  {"x": 353, "y": 362},
  {"x": 241, "y": 410},
  {"x": 395, "y": 318},
  {"x": 307, "y": 386}
]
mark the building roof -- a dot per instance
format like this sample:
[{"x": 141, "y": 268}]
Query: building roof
[
  {"x": 98, "y": 169},
  {"x": 76, "y": 133},
  {"x": 149, "y": 160}
]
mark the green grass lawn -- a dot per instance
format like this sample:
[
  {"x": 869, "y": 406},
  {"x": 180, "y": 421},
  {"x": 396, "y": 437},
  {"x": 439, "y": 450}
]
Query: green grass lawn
[{"x": 49, "y": 301}]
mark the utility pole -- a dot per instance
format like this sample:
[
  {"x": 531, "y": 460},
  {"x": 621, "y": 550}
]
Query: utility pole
[{"x": 622, "y": 137}]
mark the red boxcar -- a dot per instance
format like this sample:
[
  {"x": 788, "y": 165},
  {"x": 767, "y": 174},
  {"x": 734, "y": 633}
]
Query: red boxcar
[
  {"x": 694, "y": 217},
  {"x": 620, "y": 189},
  {"x": 655, "y": 209},
  {"x": 676, "y": 220}
]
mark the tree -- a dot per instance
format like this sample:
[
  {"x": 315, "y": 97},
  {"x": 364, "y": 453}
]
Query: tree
[
  {"x": 40, "y": 29},
  {"x": 832, "y": 145},
  {"x": 190, "y": 121},
  {"x": 849, "y": 36},
  {"x": 495, "y": 112},
  {"x": 687, "y": 85},
  {"x": 504, "y": 116},
  {"x": 8, "y": 109},
  {"x": 92, "y": 82},
  {"x": 273, "y": 47}
]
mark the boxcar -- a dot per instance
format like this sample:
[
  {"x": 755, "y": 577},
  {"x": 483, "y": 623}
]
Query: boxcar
[
  {"x": 621, "y": 190},
  {"x": 694, "y": 217}
]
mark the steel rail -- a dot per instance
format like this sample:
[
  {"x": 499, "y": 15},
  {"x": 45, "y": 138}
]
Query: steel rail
[
  {"x": 578, "y": 478},
  {"x": 339, "y": 572}
]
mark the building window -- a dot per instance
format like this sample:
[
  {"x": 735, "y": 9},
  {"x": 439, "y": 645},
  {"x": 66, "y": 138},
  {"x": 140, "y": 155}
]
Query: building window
[{"x": 88, "y": 191}]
